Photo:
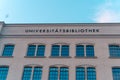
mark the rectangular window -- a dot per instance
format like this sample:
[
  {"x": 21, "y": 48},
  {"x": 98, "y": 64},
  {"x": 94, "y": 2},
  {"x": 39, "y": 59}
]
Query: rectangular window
[
  {"x": 65, "y": 50},
  {"x": 8, "y": 50},
  {"x": 3, "y": 72},
  {"x": 40, "y": 50},
  {"x": 85, "y": 73},
  {"x": 36, "y": 50},
  {"x": 55, "y": 50},
  {"x": 31, "y": 50},
  {"x": 60, "y": 50},
  {"x": 116, "y": 73},
  {"x": 27, "y": 73},
  {"x": 37, "y": 73},
  {"x": 64, "y": 73},
  {"x": 32, "y": 73},
  {"x": 59, "y": 73},
  {"x": 53, "y": 74},
  {"x": 91, "y": 73},
  {"x": 84, "y": 50},
  {"x": 80, "y": 73},
  {"x": 89, "y": 50},
  {"x": 114, "y": 50},
  {"x": 80, "y": 50}
]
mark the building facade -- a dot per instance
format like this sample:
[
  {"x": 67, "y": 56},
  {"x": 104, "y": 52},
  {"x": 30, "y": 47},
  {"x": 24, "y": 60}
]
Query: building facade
[{"x": 64, "y": 51}]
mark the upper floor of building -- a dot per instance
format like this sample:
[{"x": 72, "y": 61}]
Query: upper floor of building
[
  {"x": 63, "y": 30},
  {"x": 60, "y": 39}
]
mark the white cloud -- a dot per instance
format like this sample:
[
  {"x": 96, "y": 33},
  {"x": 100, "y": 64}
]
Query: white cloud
[{"x": 108, "y": 12}]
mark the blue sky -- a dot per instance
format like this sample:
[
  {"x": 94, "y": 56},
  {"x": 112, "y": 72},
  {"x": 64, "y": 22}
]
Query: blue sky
[{"x": 59, "y": 11}]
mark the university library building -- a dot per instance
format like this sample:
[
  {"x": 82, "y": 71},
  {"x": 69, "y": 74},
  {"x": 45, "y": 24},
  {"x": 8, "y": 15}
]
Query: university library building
[{"x": 60, "y": 51}]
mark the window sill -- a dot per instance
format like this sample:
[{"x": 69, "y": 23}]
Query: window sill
[
  {"x": 6, "y": 56},
  {"x": 94, "y": 57},
  {"x": 34, "y": 57},
  {"x": 114, "y": 57},
  {"x": 59, "y": 57}
]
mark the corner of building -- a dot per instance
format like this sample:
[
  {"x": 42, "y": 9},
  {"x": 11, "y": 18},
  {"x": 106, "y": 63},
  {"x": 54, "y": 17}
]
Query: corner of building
[{"x": 1, "y": 25}]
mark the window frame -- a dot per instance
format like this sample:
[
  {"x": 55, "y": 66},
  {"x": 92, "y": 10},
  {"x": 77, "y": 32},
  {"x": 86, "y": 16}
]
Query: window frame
[
  {"x": 1, "y": 55},
  {"x": 112, "y": 70},
  {"x": 7, "y": 71},
  {"x": 111, "y": 55},
  {"x": 32, "y": 70},
  {"x": 59, "y": 68},
  {"x": 36, "y": 49},
  {"x": 60, "y": 49},
  {"x": 85, "y": 70},
  {"x": 85, "y": 50}
]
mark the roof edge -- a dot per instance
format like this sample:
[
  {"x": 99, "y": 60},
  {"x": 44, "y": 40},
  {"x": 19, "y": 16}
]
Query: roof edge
[{"x": 60, "y": 24}]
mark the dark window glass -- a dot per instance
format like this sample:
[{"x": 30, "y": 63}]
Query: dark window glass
[
  {"x": 31, "y": 50},
  {"x": 116, "y": 73},
  {"x": 55, "y": 50},
  {"x": 91, "y": 73},
  {"x": 37, "y": 74},
  {"x": 89, "y": 50},
  {"x": 64, "y": 73},
  {"x": 40, "y": 50},
  {"x": 65, "y": 50},
  {"x": 8, "y": 50},
  {"x": 80, "y": 50},
  {"x": 3, "y": 72},
  {"x": 85, "y": 74},
  {"x": 80, "y": 73},
  {"x": 27, "y": 73},
  {"x": 114, "y": 50},
  {"x": 53, "y": 73}
]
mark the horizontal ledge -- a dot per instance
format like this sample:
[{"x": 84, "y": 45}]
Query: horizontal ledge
[
  {"x": 34, "y": 57},
  {"x": 59, "y": 36},
  {"x": 94, "y": 57},
  {"x": 114, "y": 57},
  {"x": 6, "y": 56},
  {"x": 60, "y": 57}
]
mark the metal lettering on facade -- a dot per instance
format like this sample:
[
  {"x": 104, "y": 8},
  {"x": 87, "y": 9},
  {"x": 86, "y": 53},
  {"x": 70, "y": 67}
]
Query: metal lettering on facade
[{"x": 62, "y": 30}]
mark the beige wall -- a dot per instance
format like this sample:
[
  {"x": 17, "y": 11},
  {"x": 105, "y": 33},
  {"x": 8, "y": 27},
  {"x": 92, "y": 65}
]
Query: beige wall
[{"x": 102, "y": 63}]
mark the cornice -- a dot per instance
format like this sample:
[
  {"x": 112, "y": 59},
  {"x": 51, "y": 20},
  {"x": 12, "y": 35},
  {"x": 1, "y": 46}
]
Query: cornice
[
  {"x": 61, "y": 24},
  {"x": 60, "y": 36}
]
